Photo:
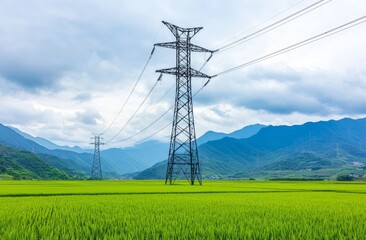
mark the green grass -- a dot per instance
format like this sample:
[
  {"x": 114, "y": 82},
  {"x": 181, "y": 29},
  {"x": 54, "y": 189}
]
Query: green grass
[{"x": 152, "y": 210}]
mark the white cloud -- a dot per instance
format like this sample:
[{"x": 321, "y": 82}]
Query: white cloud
[{"x": 66, "y": 66}]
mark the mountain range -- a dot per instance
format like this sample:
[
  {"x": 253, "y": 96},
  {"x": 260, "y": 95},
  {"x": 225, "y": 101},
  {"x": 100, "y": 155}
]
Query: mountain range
[
  {"x": 146, "y": 154},
  {"x": 80, "y": 163},
  {"x": 320, "y": 150},
  {"x": 20, "y": 164},
  {"x": 115, "y": 161},
  {"x": 244, "y": 132},
  {"x": 50, "y": 145},
  {"x": 314, "y": 150}
]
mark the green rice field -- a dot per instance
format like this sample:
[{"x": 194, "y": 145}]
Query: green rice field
[{"x": 152, "y": 210}]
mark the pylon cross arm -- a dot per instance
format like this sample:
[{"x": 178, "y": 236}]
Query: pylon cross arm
[
  {"x": 195, "y": 48},
  {"x": 167, "y": 45},
  {"x": 192, "y": 47},
  {"x": 174, "y": 71},
  {"x": 195, "y": 73}
]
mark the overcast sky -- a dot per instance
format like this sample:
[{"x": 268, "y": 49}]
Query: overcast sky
[{"x": 67, "y": 66}]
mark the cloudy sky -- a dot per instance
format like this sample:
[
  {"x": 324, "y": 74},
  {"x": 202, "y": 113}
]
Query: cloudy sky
[{"x": 66, "y": 67}]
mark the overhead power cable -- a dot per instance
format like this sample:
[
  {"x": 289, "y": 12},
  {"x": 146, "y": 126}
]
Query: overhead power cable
[
  {"x": 268, "y": 28},
  {"x": 156, "y": 120},
  {"x": 328, "y": 33},
  {"x": 138, "y": 108},
  {"x": 155, "y": 133},
  {"x": 166, "y": 93},
  {"x": 130, "y": 94},
  {"x": 263, "y": 22},
  {"x": 147, "y": 127},
  {"x": 274, "y": 25},
  {"x": 318, "y": 37},
  {"x": 153, "y": 122},
  {"x": 134, "y": 87}
]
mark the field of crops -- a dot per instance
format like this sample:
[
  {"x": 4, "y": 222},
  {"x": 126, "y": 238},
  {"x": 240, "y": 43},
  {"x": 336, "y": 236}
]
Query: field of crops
[{"x": 151, "y": 210}]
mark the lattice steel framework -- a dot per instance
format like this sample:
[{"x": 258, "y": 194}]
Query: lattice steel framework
[
  {"x": 96, "y": 173},
  {"x": 183, "y": 155}
]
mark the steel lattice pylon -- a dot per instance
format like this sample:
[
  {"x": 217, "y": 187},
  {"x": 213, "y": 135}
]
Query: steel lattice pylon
[
  {"x": 96, "y": 173},
  {"x": 183, "y": 155}
]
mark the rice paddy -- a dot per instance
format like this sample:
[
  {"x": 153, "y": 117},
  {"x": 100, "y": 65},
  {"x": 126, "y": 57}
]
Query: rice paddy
[{"x": 152, "y": 210}]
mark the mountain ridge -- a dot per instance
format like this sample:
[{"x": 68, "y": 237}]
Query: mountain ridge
[
  {"x": 20, "y": 164},
  {"x": 81, "y": 162},
  {"x": 305, "y": 151},
  {"x": 49, "y": 144},
  {"x": 244, "y": 132},
  {"x": 119, "y": 160}
]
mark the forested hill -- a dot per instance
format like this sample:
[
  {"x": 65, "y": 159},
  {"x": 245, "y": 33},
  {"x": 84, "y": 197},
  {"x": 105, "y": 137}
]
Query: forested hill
[
  {"x": 80, "y": 163},
  {"x": 20, "y": 164},
  {"x": 312, "y": 150}
]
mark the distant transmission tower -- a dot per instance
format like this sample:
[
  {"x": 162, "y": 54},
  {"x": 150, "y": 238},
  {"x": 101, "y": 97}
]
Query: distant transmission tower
[
  {"x": 183, "y": 155},
  {"x": 96, "y": 173}
]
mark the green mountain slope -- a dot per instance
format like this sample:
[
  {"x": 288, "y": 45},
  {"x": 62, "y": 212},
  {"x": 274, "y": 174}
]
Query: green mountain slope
[
  {"x": 312, "y": 150},
  {"x": 80, "y": 162},
  {"x": 115, "y": 161},
  {"x": 19, "y": 164},
  {"x": 48, "y": 144},
  {"x": 245, "y": 132}
]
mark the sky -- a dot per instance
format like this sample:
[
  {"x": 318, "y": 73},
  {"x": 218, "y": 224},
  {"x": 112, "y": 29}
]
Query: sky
[{"x": 67, "y": 67}]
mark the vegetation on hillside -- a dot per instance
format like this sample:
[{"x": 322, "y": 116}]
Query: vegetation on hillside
[
  {"x": 320, "y": 150},
  {"x": 19, "y": 164}
]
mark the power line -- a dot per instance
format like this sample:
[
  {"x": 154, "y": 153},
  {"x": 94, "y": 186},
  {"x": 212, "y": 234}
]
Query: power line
[
  {"x": 152, "y": 123},
  {"x": 166, "y": 93},
  {"x": 207, "y": 60},
  {"x": 147, "y": 127},
  {"x": 328, "y": 33},
  {"x": 263, "y": 22},
  {"x": 138, "y": 108},
  {"x": 257, "y": 60},
  {"x": 130, "y": 94},
  {"x": 274, "y": 25},
  {"x": 299, "y": 44},
  {"x": 152, "y": 135},
  {"x": 137, "y": 81},
  {"x": 269, "y": 28}
]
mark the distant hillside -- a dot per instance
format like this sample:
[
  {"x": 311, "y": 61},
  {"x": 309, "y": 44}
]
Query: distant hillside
[
  {"x": 50, "y": 145},
  {"x": 146, "y": 154},
  {"x": 81, "y": 162},
  {"x": 137, "y": 158},
  {"x": 115, "y": 161},
  {"x": 245, "y": 132},
  {"x": 19, "y": 164},
  {"x": 312, "y": 150}
]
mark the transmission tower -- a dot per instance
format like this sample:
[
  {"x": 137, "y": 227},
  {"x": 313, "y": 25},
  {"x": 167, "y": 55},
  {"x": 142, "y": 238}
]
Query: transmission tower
[
  {"x": 96, "y": 173},
  {"x": 183, "y": 155}
]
